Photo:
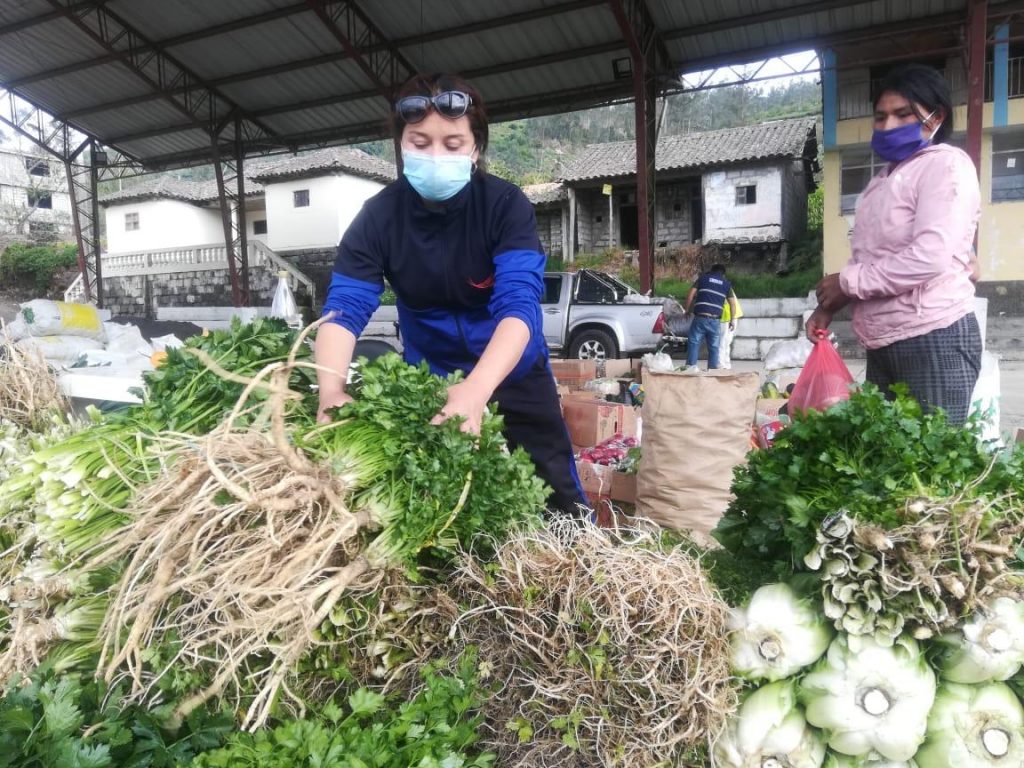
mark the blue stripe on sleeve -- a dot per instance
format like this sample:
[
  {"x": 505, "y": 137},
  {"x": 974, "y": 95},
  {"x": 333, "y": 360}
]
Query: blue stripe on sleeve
[
  {"x": 353, "y": 302},
  {"x": 518, "y": 287}
]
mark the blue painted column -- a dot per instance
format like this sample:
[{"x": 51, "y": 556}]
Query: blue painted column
[
  {"x": 829, "y": 97},
  {"x": 1000, "y": 76}
]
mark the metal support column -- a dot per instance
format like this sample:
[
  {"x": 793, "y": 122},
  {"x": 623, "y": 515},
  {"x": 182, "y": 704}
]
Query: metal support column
[
  {"x": 977, "y": 40},
  {"x": 83, "y": 179},
  {"x": 1000, "y": 77},
  {"x": 645, "y": 93},
  {"x": 648, "y": 54},
  {"x": 829, "y": 98},
  {"x": 231, "y": 196}
]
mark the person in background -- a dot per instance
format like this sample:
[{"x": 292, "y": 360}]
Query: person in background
[
  {"x": 727, "y": 331},
  {"x": 460, "y": 249},
  {"x": 706, "y": 300},
  {"x": 911, "y": 276}
]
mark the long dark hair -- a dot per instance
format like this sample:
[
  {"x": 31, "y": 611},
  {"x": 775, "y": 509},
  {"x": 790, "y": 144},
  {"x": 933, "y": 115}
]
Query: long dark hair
[
  {"x": 925, "y": 86},
  {"x": 431, "y": 85}
]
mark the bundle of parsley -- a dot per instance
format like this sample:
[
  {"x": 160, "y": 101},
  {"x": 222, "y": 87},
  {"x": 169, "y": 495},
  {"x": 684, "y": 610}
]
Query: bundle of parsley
[{"x": 867, "y": 457}]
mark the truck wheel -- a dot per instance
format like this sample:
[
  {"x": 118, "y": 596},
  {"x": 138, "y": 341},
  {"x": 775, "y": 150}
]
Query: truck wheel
[{"x": 593, "y": 345}]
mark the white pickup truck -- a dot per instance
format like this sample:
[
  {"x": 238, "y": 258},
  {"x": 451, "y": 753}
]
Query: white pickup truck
[{"x": 586, "y": 315}]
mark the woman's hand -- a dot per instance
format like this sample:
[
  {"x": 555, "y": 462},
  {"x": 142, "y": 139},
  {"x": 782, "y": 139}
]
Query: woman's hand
[
  {"x": 465, "y": 400},
  {"x": 818, "y": 323},
  {"x": 830, "y": 293},
  {"x": 335, "y": 400}
]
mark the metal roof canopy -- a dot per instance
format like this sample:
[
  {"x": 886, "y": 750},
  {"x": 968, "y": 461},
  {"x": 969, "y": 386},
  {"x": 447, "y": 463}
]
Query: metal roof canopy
[
  {"x": 154, "y": 78},
  {"x": 169, "y": 83}
]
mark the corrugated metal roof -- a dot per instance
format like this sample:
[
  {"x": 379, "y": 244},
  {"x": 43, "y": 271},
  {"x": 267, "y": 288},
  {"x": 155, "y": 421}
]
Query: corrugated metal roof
[
  {"x": 189, "y": 64},
  {"x": 258, "y": 173},
  {"x": 549, "y": 192},
  {"x": 332, "y": 159},
  {"x": 772, "y": 140}
]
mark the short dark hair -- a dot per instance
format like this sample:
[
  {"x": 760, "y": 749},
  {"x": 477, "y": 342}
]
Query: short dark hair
[
  {"x": 717, "y": 268},
  {"x": 431, "y": 85},
  {"x": 925, "y": 86}
]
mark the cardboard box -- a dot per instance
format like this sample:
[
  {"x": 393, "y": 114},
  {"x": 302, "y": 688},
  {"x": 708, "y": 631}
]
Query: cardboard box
[
  {"x": 769, "y": 406},
  {"x": 620, "y": 369},
  {"x": 574, "y": 373},
  {"x": 599, "y": 481},
  {"x": 593, "y": 421}
]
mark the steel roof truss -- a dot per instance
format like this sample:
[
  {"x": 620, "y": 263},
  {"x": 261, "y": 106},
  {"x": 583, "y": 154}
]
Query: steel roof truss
[{"x": 384, "y": 66}]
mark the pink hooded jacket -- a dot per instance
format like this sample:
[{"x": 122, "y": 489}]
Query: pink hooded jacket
[{"x": 912, "y": 241}]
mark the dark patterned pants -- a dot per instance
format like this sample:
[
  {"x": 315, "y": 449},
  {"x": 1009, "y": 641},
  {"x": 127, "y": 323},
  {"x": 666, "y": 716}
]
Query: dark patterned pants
[{"x": 940, "y": 368}]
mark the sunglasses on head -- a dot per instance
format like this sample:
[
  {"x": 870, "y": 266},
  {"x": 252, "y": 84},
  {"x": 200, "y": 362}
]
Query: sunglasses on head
[{"x": 450, "y": 104}]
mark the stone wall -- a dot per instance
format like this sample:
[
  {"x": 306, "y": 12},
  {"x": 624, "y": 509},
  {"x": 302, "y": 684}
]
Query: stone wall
[
  {"x": 140, "y": 295},
  {"x": 549, "y": 229}
]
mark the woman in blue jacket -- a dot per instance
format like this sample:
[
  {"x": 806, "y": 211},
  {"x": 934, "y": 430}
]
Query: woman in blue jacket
[{"x": 460, "y": 249}]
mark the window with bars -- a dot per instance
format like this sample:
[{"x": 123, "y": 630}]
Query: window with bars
[{"x": 300, "y": 198}]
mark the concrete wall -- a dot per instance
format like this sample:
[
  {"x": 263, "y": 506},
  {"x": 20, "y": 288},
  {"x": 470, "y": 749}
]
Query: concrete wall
[
  {"x": 794, "y": 200},
  {"x": 1001, "y": 227},
  {"x": 672, "y": 227},
  {"x": 162, "y": 224},
  {"x": 549, "y": 229},
  {"x": 140, "y": 295},
  {"x": 333, "y": 202},
  {"x": 725, "y": 220}
]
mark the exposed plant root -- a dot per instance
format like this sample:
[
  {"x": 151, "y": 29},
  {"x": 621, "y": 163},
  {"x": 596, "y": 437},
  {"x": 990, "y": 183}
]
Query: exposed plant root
[
  {"x": 950, "y": 557},
  {"x": 239, "y": 552},
  {"x": 29, "y": 393},
  {"x": 604, "y": 647}
]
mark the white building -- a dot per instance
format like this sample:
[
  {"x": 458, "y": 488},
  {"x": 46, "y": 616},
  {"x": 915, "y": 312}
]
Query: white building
[
  {"x": 312, "y": 198},
  {"x": 293, "y": 204},
  {"x": 737, "y": 188},
  {"x": 34, "y": 200}
]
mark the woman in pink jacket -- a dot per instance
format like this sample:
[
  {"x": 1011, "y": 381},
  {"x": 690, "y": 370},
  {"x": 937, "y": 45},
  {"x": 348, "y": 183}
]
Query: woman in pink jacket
[{"x": 910, "y": 279}]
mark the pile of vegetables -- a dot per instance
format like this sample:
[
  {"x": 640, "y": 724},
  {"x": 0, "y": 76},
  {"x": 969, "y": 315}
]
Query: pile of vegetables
[
  {"x": 212, "y": 578},
  {"x": 898, "y": 636},
  {"x": 371, "y": 590}
]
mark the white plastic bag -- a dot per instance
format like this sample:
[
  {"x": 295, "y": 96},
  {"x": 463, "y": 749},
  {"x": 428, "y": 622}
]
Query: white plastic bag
[
  {"x": 986, "y": 396},
  {"x": 657, "y": 361},
  {"x": 163, "y": 343},
  {"x": 788, "y": 354},
  {"x": 126, "y": 339},
  {"x": 284, "y": 305},
  {"x": 59, "y": 349},
  {"x": 42, "y": 317}
]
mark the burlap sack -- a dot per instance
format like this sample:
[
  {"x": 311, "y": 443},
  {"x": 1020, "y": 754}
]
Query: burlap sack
[{"x": 696, "y": 429}]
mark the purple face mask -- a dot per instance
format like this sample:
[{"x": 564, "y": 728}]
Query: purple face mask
[{"x": 897, "y": 144}]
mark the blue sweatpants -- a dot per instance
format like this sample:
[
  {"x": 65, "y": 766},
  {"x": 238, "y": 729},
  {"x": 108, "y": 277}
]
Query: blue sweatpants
[{"x": 533, "y": 421}]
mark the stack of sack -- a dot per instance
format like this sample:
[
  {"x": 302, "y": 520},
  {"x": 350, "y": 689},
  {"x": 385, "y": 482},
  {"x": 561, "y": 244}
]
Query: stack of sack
[
  {"x": 58, "y": 330},
  {"x": 70, "y": 335}
]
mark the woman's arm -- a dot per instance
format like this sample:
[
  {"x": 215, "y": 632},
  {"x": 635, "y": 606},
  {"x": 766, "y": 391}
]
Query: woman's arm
[
  {"x": 469, "y": 398},
  {"x": 333, "y": 350}
]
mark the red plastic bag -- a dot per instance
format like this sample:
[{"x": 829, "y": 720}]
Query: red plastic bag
[{"x": 824, "y": 381}]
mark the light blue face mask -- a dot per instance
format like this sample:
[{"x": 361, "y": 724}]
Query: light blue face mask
[{"x": 439, "y": 177}]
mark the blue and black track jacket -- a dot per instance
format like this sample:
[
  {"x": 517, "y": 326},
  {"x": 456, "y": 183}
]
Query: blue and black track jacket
[{"x": 456, "y": 272}]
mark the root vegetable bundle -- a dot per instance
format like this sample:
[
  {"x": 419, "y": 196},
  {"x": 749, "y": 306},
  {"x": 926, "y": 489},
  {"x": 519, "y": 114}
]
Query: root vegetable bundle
[
  {"x": 29, "y": 394},
  {"x": 600, "y": 650}
]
